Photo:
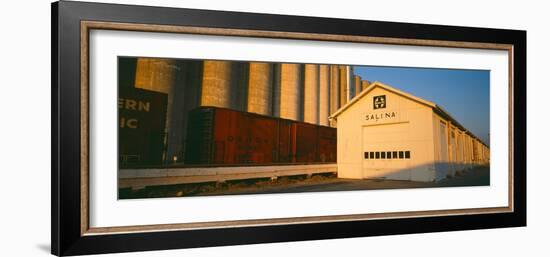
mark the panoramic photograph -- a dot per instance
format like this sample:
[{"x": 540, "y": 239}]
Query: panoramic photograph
[{"x": 191, "y": 127}]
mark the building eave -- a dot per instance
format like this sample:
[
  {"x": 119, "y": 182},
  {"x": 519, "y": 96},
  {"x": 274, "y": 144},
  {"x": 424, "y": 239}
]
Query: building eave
[
  {"x": 436, "y": 108},
  {"x": 379, "y": 84}
]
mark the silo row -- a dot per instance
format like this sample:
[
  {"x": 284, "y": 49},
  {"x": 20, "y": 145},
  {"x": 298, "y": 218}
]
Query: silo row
[{"x": 302, "y": 92}]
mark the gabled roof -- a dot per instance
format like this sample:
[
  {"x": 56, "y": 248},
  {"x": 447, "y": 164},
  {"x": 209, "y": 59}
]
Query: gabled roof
[
  {"x": 374, "y": 85},
  {"x": 437, "y": 109}
]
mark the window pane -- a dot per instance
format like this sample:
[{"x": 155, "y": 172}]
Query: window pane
[
  {"x": 395, "y": 154},
  {"x": 377, "y": 155},
  {"x": 408, "y": 154},
  {"x": 400, "y": 154},
  {"x": 371, "y": 155},
  {"x": 383, "y": 155},
  {"x": 388, "y": 154},
  {"x": 366, "y": 155}
]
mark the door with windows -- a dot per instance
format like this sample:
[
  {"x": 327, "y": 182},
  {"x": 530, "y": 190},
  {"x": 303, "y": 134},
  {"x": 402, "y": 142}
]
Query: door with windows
[{"x": 386, "y": 151}]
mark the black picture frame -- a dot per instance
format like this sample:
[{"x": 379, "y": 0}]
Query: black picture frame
[{"x": 66, "y": 235}]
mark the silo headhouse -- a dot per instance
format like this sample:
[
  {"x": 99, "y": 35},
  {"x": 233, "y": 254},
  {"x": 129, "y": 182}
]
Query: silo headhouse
[{"x": 386, "y": 133}]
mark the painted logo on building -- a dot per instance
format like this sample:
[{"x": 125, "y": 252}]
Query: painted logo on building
[
  {"x": 379, "y": 102},
  {"x": 380, "y": 116}
]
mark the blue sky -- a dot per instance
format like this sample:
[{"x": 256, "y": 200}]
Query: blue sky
[{"x": 462, "y": 93}]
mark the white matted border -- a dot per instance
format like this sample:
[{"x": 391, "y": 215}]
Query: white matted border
[{"x": 106, "y": 211}]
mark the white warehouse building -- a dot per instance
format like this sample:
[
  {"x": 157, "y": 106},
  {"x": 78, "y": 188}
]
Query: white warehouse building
[{"x": 386, "y": 133}]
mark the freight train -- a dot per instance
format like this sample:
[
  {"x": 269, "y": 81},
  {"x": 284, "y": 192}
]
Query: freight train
[
  {"x": 142, "y": 115},
  {"x": 219, "y": 136}
]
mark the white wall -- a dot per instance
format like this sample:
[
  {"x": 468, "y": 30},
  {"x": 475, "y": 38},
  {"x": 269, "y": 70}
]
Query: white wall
[
  {"x": 25, "y": 136},
  {"x": 410, "y": 129}
]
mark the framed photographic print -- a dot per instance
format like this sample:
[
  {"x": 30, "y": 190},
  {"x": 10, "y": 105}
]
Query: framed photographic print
[{"x": 178, "y": 128}]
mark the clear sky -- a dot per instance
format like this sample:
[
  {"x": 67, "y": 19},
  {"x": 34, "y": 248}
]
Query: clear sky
[{"x": 462, "y": 93}]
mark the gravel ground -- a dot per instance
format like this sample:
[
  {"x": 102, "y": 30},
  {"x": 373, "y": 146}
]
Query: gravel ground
[{"x": 318, "y": 183}]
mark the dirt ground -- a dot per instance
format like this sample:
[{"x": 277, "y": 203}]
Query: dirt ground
[{"x": 318, "y": 183}]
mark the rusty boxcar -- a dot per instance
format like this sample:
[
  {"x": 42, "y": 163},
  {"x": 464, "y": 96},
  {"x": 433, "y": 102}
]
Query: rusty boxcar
[{"x": 222, "y": 136}]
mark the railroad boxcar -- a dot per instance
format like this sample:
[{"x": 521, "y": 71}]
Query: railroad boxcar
[
  {"x": 142, "y": 118},
  {"x": 220, "y": 136}
]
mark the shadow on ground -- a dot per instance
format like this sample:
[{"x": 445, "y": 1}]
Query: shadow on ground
[{"x": 296, "y": 184}]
